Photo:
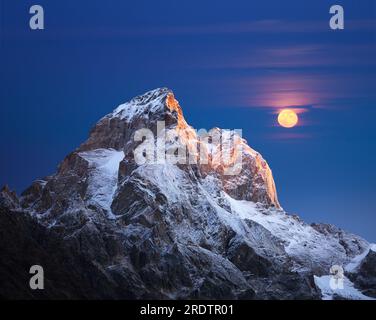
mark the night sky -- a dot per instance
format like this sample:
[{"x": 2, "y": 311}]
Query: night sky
[{"x": 231, "y": 64}]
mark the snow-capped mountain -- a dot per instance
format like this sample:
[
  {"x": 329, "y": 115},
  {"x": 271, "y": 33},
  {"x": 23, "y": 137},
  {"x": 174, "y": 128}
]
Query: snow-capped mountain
[{"x": 173, "y": 230}]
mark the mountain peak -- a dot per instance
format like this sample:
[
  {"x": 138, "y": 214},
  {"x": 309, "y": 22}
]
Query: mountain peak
[
  {"x": 185, "y": 229},
  {"x": 149, "y": 102}
]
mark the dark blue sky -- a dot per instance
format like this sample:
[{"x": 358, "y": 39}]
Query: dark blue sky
[{"x": 231, "y": 64}]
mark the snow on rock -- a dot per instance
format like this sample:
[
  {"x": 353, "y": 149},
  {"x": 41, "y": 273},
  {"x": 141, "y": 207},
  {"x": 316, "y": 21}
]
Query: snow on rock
[
  {"x": 102, "y": 184},
  {"x": 330, "y": 292},
  {"x": 167, "y": 177},
  {"x": 309, "y": 248},
  {"x": 150, "y": 102},
  {"x": 168, "y": 229},
  {"x": 355, "y": 263}
]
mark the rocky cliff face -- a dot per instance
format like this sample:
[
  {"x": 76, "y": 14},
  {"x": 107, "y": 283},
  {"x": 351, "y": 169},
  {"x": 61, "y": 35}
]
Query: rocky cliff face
[{"x": 205, "y": 228}]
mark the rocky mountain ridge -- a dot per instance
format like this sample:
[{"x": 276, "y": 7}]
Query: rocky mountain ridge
[{"x": 173, "y": 230}]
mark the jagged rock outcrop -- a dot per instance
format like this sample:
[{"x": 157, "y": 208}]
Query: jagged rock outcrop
[
  {"x": 68, "y": 273},
  {"x": 363, "y": 272},
  {"x": 208, "y": 227}
]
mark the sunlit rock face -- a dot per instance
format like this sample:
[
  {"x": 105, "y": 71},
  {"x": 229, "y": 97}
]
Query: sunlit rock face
[
  {"x": 207, "y": 227},
  {"x": 249, "y": 179},
  {"x": 254, "y": 180}
]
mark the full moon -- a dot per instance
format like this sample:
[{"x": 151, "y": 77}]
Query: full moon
[{"x": 288, "y": 118}]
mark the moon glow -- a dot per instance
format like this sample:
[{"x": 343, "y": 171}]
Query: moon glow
[{"x": 288, "y": 118}]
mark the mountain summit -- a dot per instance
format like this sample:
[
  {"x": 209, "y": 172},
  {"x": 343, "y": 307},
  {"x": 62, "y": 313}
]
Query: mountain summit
[{"x": 107, "y": 225}]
